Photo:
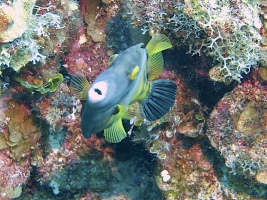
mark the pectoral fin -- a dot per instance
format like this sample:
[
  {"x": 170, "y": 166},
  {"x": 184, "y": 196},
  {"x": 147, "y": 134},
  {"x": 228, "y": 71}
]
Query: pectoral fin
[
  {"x": 159, "y": 100},
  {"x": 116, "y": 132},
  {"x": 81, "y": 86}
]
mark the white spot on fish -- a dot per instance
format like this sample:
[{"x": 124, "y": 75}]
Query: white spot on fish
[{"x": 98, "y": 91}]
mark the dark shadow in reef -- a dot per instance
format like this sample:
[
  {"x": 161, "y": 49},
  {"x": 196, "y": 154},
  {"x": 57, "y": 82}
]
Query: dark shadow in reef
[
  {"x": 194, "y": 72},
  {"x": 143, "y": 166},
  {"x": 120, "y": 33}
]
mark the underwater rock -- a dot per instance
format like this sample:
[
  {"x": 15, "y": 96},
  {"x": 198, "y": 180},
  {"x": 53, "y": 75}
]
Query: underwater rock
[
  {"x": 15, "y": 19},
  {"x": 237, "y": 129},
  {"x": 18, "y": 139},
  {"x": 96, "y": 16},
  {"x": 87, "y": 52},
  {"x": 191, "y": 176}
]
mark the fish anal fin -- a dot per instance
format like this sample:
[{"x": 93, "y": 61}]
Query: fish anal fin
[
  {"x": 127, "y": 112},
  {"x": 80, "y": 86},
  {"x": 155, "y": 65},
  {"x": 115, "y": 133},
  {"x": 133, "y": 110},
  {"x": 160, "y": 99},
  {"x": 158, "y": 43}
]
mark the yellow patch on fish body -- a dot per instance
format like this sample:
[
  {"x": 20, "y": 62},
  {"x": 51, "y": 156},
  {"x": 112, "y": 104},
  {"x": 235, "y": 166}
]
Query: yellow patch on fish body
[
  {"x": 134, "y": 73},
  {"x": 124, "y": 82}
]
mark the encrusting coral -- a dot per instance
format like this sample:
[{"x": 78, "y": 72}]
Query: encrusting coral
[
  {"x": 19, "y": 148},
  {"x": 15, "y": 19},
  {"x": 237, "y": 128}
]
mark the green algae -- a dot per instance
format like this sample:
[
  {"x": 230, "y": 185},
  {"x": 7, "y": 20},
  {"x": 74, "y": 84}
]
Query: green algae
[{"x": 50, "y": 86}]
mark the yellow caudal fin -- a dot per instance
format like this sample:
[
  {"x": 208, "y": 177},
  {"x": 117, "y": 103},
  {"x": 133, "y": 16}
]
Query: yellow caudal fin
[
  {"x": 116, "y": 132},
  {"x": 81, "y": 86},
  {"x": 155, "y": 62},
  {"x": 158, "y": 43}
]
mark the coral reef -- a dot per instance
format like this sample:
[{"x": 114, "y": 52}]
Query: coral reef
[
  {"x": 19, "y": 148},
  {"x": 60, "y": 109},
  {"x": 191, "y": 175},
  {"x": 234, "y": 41},
  {"x": 15, "y": 19},
  {"x": 237, "y": 128},
  {"x": 212, "y": 143},
  {"x": 32, "y": 33}
]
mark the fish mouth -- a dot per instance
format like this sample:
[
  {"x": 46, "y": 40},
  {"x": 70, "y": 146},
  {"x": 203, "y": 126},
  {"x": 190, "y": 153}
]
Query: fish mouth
[{"x": 92, "y": 127}]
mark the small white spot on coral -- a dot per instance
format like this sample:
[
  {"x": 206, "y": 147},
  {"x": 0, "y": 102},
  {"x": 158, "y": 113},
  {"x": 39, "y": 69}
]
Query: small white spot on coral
[
  {"x": 165, "y": 175},
  {"x": 82, "y": 39}
]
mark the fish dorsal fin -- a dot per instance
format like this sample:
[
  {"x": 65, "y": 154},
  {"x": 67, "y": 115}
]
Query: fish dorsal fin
[
  {"x": 112, "y": 58},
  {"x": 81, "y": 86},
  {"x": 158, "y": 43},
  {"x": 116, "y": 132},
  {"x": 134, "y": 73},
  {"x": 159, "y": 100},
  {"x": 155, "y": 65}
]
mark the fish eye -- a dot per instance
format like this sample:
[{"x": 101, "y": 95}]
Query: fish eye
[{"x": 98, "y": 92}]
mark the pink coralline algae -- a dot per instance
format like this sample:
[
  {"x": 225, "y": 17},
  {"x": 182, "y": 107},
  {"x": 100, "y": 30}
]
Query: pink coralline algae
[
  {"x": 237, "y": 129},
  {"x": 61, "y": 109},
  {"x": 20, "y": 151},
  {"x": 191, "y": 175},
  {"x": 88, "y": 54}
]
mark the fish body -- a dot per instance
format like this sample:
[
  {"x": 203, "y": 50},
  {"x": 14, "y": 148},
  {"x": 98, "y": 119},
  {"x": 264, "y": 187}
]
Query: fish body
[
  {"x": 127, "y": 80},
  {"x": 110, "y": 88}
]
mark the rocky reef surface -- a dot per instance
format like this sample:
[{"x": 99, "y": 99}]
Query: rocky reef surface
[{"x": 212, "y": 144}]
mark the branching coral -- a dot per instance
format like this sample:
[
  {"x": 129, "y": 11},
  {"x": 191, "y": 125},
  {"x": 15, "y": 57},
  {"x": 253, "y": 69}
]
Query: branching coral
[
  {"x": 234, "y": 39},
  {"x": 61, "y": 109},
  {"x": 27, "y": 28},
  {"x": 232, "y": 31}
]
